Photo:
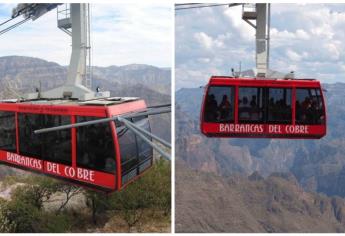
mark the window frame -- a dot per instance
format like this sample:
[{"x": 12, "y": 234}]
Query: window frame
[
  {"x": 232, "y": 98},
  {"x": 135, "y": 120},
  {"x": 319, "y": 100},
  {"x": 14, "y": 149},
  {"x": 40, "y": 138},
  {"x": 285, "y": 122},
  {"x": 263, "y": 120},
  {"x": 113, "y": 152}
]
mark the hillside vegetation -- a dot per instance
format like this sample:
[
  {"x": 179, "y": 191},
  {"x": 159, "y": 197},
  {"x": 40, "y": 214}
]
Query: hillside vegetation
[{"x": 40, "y": 204}]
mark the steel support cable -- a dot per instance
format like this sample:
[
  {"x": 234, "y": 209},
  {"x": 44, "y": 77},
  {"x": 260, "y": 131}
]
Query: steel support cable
[
  {"x": 6, "y": 21},
  {"x": 158, "y": 106},
  {"x": 14, "y": 26},
  {"x": 86, "y": 123},
  {"x": 152, "y": 144},
  {"x": 162, "y": 141},
  {"x": 184, "y": 4},
  {"x": 28, "y": 7}
]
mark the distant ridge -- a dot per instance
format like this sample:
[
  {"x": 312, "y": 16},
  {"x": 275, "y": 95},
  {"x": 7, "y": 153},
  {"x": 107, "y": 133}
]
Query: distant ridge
[{"x": 237, "y": 204}]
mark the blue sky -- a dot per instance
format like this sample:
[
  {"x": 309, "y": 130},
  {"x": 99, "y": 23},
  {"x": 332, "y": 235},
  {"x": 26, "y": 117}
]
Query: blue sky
[
  {"x": 121, "y": 34},
  {"x": 306, "y": 38}
]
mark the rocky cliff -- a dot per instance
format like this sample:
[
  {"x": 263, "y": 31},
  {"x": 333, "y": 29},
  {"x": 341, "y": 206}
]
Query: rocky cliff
[{"x": 206, "y": 202}]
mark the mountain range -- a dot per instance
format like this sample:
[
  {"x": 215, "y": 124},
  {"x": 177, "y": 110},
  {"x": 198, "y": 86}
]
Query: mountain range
[
  {"x": 206, "y": 202},
  {"x": 20, "y": 75}
]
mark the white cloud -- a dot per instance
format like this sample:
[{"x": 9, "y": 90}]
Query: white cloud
[
  {"x": 122, "y": 34},
  {"x": 292, "y": 55},
  {"x": 244, "y": 30},
  {"x": 204, "y": 40},
  {"x": 301, "y": 34},
  {"x": 333, "y": 50}
]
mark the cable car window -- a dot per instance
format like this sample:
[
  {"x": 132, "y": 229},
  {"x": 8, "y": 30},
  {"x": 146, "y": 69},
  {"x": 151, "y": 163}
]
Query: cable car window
[
  {"x": 128, "y": 150},
  {"x": 7, "y": 131},
  {"x": 30, "y": 144},
  {"x": 279, "y": 105},
  {"x": 309, "y": 107},
  {"x": 95, "y": 146},
  {"x": 219, "y": 104},
  {"x": 57, "y": 144},
  {"x": 145, "y": 151},
  {"x": 53, "y": 146},
  {"x": 251, "y": 105}
]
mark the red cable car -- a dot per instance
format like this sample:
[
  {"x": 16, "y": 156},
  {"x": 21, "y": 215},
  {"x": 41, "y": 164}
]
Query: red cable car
[
  {"x": 267, "y": 108},
  {"x": 105, "y": 156}
]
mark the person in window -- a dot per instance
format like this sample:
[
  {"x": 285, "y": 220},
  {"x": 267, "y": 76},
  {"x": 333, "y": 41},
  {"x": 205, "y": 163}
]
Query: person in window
[
  {"x": 225, "y": 108},
  {"x": 253, "y": 102},
  {"x": 254, "y": 112},
  {"x": 211, "y": 108},
  {"x": 298, "y": 111},
  {"x": 305, "y": 106},
  {"x": 311, "y": 113},
  {"x": 271, "y": 113},
  {"x": 244, "y": 110},
  {"x": 319, "y": 111}
]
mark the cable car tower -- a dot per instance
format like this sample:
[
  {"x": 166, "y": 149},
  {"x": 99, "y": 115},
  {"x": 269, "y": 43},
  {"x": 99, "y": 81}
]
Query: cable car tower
[
  {"x": 258, "y": 16},
  {"x": 74, "y": 19}
]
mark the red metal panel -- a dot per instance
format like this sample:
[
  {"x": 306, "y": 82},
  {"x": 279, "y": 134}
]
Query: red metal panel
[
  {"x": 16, "y": 159},
  {"x": 17, "y": 132},
  {"x": 97, "y": 111},
  {"x": 117, "y": 182},
  {"x": 126, "y": 107},
  {"x": 92, "y": 177},
  {"x": 203, "y": 106},
  {"x": 324, "y": 109},
  {"x": 117, "y": 110},
  {"x": 74, "y": 143},
  {"x": 263, "y": 83},
  {"x": 262, "y": 130}
]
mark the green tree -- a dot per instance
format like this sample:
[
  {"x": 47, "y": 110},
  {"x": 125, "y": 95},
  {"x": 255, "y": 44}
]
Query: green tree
[
  {"x": 151, "y": 191},
  {"x": 18, "y": 217},
  {"x": 38, "y": 191},
  {"x": 97, "y": 202}
]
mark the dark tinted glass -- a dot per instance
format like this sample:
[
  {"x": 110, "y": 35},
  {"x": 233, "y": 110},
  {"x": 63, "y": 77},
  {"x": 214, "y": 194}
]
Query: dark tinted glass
[
  {"x": 145, "y": 151},
  {"x": 219, "y": 104},
  {"x": 128, "y": 149},
  {"x": 95, "y": 146},
  {"x": 30, "y": 144},
  {"x": 57, "y": 144},
  {"x": 251, "y": 105},
  {"x": 53, "y": 146},
  {"x": 279, "y": 105},
  {"x": 309, "y": 106},
  {"x": 7, "y": 131}
]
